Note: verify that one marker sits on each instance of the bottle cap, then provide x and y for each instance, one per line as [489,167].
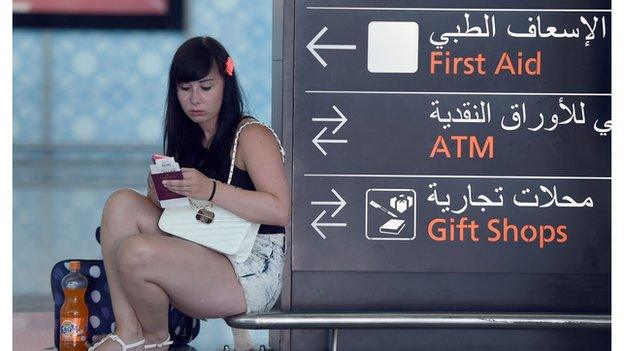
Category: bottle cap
[74,265]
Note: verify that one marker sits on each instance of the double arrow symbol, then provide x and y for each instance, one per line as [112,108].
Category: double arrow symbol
[313,46]
[317,141]
[316,222]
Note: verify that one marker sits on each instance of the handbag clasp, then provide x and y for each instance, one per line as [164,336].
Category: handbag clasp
[205,216]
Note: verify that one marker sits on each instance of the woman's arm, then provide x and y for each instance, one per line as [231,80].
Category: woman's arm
[270,203]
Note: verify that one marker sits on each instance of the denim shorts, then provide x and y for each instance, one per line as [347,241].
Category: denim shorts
[260,274]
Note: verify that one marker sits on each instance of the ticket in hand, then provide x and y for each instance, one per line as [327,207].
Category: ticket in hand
[162,168]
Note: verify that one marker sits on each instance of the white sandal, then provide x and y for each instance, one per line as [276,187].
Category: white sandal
[164,343]
[124,346]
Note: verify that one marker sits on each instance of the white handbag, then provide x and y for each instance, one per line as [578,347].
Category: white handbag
[226,233]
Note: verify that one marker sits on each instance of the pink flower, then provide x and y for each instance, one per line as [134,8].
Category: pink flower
[229,66]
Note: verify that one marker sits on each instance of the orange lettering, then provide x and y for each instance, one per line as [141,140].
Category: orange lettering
[440,147]
[488,146]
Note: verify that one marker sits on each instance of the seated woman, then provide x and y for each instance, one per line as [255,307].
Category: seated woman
[148,269]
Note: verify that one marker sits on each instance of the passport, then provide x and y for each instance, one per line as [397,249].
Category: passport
[163,168]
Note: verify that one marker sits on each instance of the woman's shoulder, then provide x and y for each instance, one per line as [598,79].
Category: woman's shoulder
[246,119]
[255,138]
[254,130]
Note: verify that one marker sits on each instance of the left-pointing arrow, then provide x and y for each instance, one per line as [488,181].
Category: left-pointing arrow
[316,224]
[313,46]
[318,141]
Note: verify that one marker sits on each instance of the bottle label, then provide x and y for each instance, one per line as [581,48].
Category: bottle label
[73,329]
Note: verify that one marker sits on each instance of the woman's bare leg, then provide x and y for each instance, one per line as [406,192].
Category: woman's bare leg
[155,270]
[242,339]
[140,301]
[126,213]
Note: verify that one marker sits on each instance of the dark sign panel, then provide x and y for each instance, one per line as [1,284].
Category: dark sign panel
[452,139]
[452,156]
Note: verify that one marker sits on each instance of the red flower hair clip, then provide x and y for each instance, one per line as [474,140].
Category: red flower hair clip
[229,66]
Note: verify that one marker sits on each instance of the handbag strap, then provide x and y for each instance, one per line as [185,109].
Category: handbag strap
[279,143]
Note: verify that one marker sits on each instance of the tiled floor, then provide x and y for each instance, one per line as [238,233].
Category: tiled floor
[32,331]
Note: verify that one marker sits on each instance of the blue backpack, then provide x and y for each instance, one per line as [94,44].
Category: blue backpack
[182,328]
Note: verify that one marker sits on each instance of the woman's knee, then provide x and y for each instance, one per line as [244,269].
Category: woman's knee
[117,215]
[126,207]
[120,202]
[136,253]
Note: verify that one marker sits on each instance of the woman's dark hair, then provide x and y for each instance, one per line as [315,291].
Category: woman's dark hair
[193,60]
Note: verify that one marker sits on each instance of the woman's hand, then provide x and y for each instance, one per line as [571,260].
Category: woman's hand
[151,192]
[195,184]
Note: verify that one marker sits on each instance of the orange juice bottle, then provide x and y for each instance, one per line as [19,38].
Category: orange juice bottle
[74,315]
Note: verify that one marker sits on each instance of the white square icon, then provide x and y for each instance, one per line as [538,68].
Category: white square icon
[392,47]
